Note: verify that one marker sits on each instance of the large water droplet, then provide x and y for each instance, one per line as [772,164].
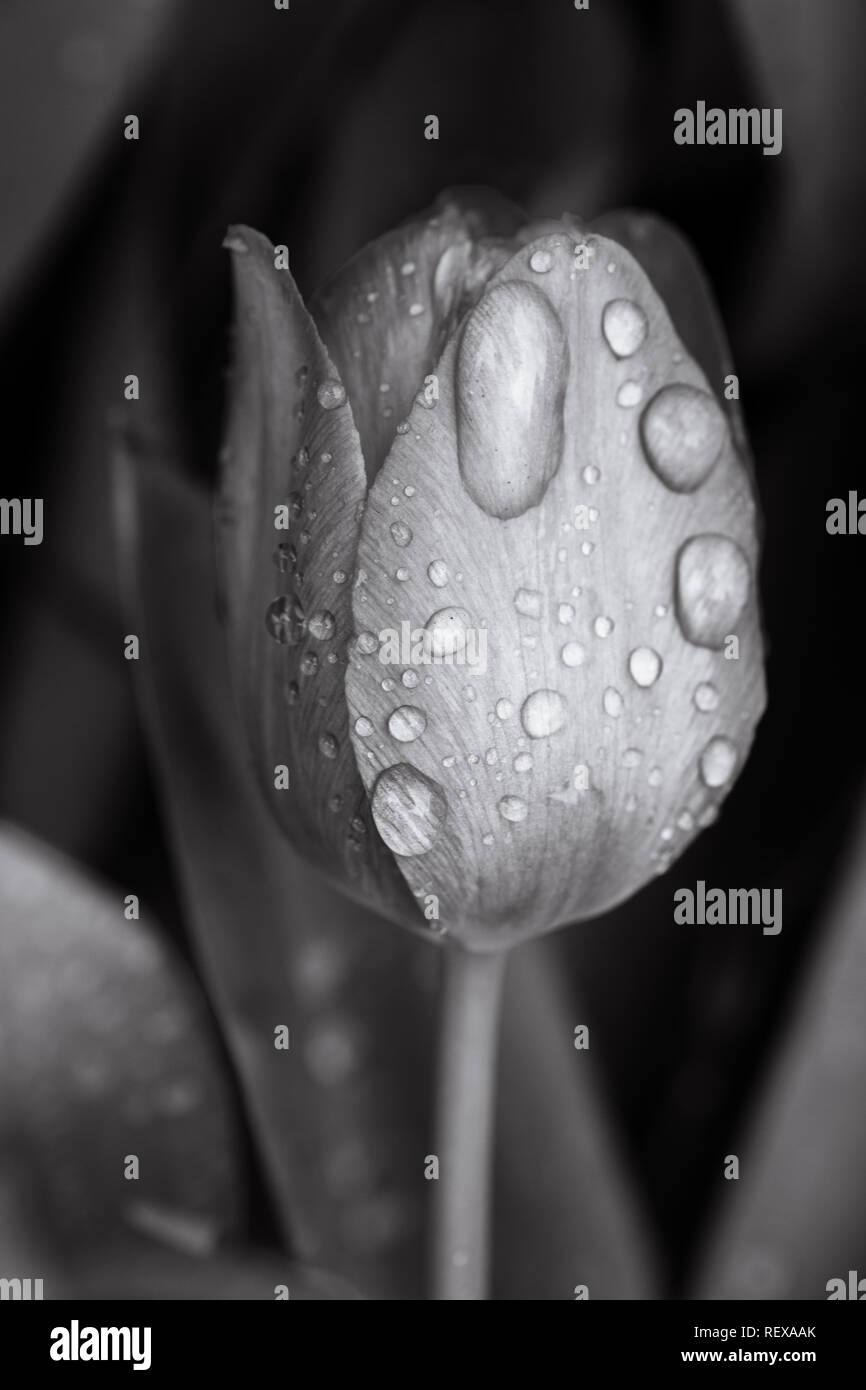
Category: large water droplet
[437,573]
[683,430]
[513,808]
[624,325]
[645,666]
[331,394]
[706,697]
[573,654]
[718,761]
[448,629]
[511,375]
[543,713]
[528,603]
[284,620]
[322,625]
[407,723]
[613,702]
[409,809]
[711,588]
[401,533]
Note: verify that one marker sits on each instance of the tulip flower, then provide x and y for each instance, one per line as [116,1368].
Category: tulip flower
[489,560]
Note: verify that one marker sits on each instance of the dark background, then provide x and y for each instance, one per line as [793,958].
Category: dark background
[309,125]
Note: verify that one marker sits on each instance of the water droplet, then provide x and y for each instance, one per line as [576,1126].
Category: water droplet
[409,809]
[407,723]
[402,574]
[523,762]
[410,679]
[331,394]
[718,761]
[367,643]
[660,610]
[284,556]
[504,709]
[543,713]
[708,816]
[401,534]
[683,431]
[631,757]
[655,777]
[528,603]
[629,394]
[469,694]
[292,693]
[587,548]
[591,474]
[335,802]
[488,839]
[387,685]
[437,573]
[573,654]
[322,625]
[363,726]
[403,427]
[512,371]
[706,697]
[296,504]
[712,588]
[284,620]
[645,666]
[540,261]
[624,325]
[513,808]
[328,746]
[409,491]
[603,627]
[448,628]
[613,702]
[309,664]
[686,821]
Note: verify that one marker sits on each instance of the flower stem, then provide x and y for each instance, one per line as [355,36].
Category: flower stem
[464,1121]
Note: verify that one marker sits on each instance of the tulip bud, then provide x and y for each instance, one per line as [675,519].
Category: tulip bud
[556,668]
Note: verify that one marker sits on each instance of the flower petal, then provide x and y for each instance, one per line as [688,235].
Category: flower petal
[599,738]
[389,312]
[292,456]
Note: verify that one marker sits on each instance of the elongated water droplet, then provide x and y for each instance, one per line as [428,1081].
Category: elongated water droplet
[513,808]
[683,431]
[322,625]
[591,474]
[409,809]
[543,713]
[644,666]
[718,761]
[407,723]
[565,613]
[712,587]
[511,374]
[603,627]
[613,702]
[331,394]
[437,573]
[284,620]
[624,325]
[706,697]
[573,654]
[401,534]
[528,603]
[448,630]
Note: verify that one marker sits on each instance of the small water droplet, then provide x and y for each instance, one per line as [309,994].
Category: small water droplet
[712,588]
[331,394]
[335,802]
[513,808]
[284,556]
[528,603]
[686,821]
[292,693]
[309,664]
[603,627]
[706,697]
[407,723]
[629,394]
[540,261]
[339,576]
[631,757]
[367,643]
[522,762]
[284,620]
[448,628]
[655,777]
[409,809]
[469,693]
[708,816]
[363,726]
[296,504]
[328,746]
[624,325]
[587,548]
[403,427]
[322,625]
[543,713]
[660,610]
[683,431]
[437,573]
[402,574]
[718,761]
[613,702]
[401,534]
[644,666]
[504,709]
[387,685]
[409,491]
[591,474]
[565,613]
[573,654]
[415,310]
[410,679]
[487,839]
